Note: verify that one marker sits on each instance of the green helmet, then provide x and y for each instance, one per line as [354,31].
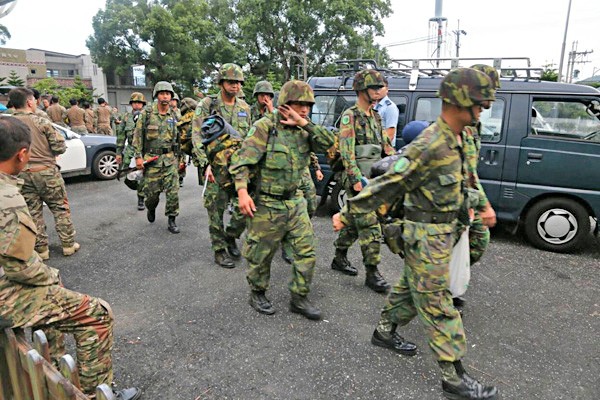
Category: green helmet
[296,91]
[263,87]
[489,71]
[188,104]
[466,87]
[367,78]
[137,96]
[163,86]
[230,71]
[175,97]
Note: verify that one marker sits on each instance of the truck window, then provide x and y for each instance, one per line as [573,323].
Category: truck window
[565,119]
[328,109]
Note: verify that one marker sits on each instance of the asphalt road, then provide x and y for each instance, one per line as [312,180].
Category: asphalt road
[184,329]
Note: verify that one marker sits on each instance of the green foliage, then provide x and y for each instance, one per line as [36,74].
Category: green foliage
[15,80]
[78,91]
[550,75]
[4,34]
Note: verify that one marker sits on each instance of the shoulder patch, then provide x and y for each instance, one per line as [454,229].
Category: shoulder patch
[401,165]
[345,119]
[251,131]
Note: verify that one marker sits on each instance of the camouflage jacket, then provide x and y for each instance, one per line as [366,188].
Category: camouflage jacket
[256,113]
[46,142]
[356,128]
[431,176]
[282,154]
[125,130]
[156,134]
[472,147]
[57,113]
[20,264]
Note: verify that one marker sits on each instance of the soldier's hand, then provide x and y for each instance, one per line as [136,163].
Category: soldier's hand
[209,175]
[488,215]
[269,104]
[291,117]
[119,159]
[357,186]
[319,175]
[245,203]
[337,222]
[139,163]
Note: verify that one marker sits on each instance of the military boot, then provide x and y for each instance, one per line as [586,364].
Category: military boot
[140,205]
[391,340]
[301,305]
[374,280]
[223,259]
[69,251]
[44,252]
[342,264]
[151,214]
[128,394]
[232,248]
[462,386]
[260,303]
[172,225]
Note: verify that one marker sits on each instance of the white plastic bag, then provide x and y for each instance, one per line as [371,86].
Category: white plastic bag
[460,266]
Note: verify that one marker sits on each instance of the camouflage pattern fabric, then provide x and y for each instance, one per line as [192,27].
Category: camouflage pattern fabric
[33,297]
[281,215]
[230,71]
[367,78]
[466,87]
[491,72]
[256,112]
[431,176]
[156,134]
[125,143]
[57,114]
[184,125]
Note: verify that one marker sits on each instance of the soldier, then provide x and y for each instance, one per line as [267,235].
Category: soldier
[89,117]
[280,149]
[155,134]
[184,125]
[174,104]
[42,181]
[431,175]
[33,295]
[263,94]
[360,128]
[56,112]
[125,151]
[76,118]
[237,113]
[102,118]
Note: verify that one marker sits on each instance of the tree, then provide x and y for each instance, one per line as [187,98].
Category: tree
[15,80]
[4,34]
[549,75]
[77,91]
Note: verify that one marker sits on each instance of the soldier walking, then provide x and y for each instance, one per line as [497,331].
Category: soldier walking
[263,95]
[184,125]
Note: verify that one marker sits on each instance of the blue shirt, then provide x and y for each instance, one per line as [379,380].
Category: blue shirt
[389,114]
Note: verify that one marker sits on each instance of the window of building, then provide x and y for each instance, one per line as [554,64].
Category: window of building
[33,71]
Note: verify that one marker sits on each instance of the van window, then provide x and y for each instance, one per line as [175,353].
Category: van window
[565,119]
[328,109]
[428,109]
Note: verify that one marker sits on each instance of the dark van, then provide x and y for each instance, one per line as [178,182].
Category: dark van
[540,155]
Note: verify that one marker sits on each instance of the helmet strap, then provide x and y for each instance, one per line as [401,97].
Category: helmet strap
[473,119]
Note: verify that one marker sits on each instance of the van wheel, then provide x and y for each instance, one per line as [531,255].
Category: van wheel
[338,198]
[557,224]
[105,165]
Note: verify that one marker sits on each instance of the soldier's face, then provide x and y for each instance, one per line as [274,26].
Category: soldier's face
[262,98]
[164,97]
[232,88]
[301,107]
[137,105]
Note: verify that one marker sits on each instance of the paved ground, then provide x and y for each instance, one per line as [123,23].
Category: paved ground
[185,330]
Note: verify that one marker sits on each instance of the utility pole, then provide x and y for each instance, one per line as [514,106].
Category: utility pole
[575,57]
[564,43]
[458,32]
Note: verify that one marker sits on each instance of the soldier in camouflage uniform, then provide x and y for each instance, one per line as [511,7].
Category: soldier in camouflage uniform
[184,125]
[432,178]
[280,149]
[31,292]
[76,117]
[42,180]
[102,118]
[56,112]
[263,95]
[174,104]
[237,113]
[361,125]
[155,134]
[125,152]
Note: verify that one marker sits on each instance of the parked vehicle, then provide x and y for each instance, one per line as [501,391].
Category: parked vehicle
[540,155]
[88,155]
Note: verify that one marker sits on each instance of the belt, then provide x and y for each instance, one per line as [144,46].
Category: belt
[280,197]
[37,169]
[163,150]
[430,217]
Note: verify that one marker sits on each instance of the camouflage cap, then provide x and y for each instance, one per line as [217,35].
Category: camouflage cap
[137,96]
[163,86]
[263,87]
[466,87]
[296,91]
[367,78]
[489,71]
[188,104]
[230,71]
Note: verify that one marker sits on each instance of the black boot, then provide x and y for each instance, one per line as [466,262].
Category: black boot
[180,181]
[285,257]
[232,248]
[223,259]
[393,341]
[141,203]
[172,225]
[300,305]
[375,281]
[468,388]
[128,394]
[151,214]
[260,303]
[342,264]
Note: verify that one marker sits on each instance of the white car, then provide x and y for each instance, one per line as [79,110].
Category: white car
[88,154]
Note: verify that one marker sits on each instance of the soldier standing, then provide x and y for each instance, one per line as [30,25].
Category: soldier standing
[360,128]
[237,113]
[174,104]
[125,151]
[155,134]
[76,117]
[280,149]
[33,295]
[42,181]
[263,95]
[102,118]
[184,125]
[432,177]
[56,112]
[88,117]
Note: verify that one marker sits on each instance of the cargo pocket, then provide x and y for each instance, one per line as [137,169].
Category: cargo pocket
[23,241]
[152,132]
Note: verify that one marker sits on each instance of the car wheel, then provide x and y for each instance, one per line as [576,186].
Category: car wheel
[338,198]
[105,165]
[557,224]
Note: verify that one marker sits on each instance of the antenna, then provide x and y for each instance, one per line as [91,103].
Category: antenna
[440,21]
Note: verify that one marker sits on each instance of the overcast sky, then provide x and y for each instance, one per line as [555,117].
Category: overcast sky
[501,28]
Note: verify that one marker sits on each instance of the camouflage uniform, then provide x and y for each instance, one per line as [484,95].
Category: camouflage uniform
[102,117]
[32,296]
[57,114]
[43,182]
[184,125]
[76,117]
[156,134]
[282,155]
[125,143]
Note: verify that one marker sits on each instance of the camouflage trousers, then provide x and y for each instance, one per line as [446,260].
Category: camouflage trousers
[128,155]
[104,130]
[57,311]
[310,194]
[367,230]
[215,202]
[479,238]
[48,186]
[158,179]
[275,222]
[423,290]
[81,129]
